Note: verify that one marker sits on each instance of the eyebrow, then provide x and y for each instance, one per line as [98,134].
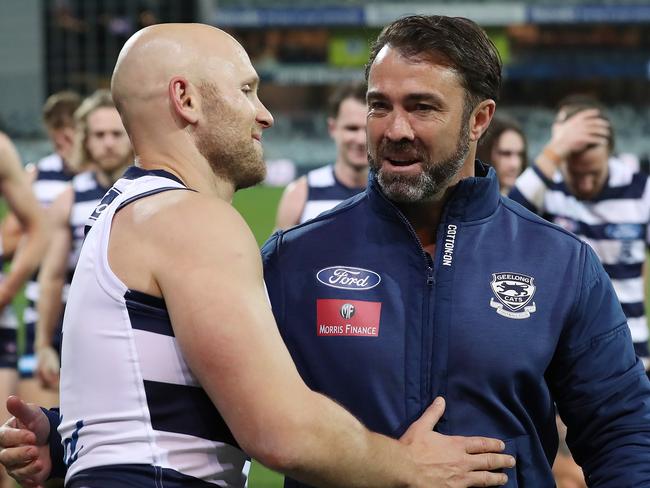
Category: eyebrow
[411,97]
[252,80]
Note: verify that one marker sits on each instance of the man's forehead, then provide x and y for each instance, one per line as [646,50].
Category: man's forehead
[424,70]
[593,159]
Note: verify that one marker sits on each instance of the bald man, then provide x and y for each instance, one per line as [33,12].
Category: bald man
[172,366]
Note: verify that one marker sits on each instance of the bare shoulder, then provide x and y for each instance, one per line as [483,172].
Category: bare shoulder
[296,191]
[61,207]
[176,221]
[175,233]
[9,158]
[292,203]
[5,143]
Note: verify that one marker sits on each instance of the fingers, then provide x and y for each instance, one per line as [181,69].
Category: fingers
[10,437]
[432,414]
[20,459]
[484,478]
[478,445]
[490,461]
[49,378]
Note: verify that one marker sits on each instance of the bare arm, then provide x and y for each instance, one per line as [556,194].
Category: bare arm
[292,204]
[11,229]
[15,187]
[51,280]
[223,322]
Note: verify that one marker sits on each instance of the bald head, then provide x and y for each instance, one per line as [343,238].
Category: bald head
[156,54]
[187,94]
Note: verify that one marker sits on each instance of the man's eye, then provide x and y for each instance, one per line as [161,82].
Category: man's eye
[423,107]
[377,105]
[246,89]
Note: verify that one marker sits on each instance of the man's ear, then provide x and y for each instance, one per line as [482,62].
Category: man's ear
[184,99]
[331,126]
[480,119]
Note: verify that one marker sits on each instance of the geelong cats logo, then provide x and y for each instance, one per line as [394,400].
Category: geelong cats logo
[514,293]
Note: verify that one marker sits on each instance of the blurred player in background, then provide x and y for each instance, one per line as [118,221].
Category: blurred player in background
[504,148]
[14,187]
[326,187]
[577,183]
[102,153]
[50,176]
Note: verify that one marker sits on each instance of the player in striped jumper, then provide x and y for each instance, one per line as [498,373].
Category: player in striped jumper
[14,187]
[50,176]
[577,183]
[326,187]
[104,152]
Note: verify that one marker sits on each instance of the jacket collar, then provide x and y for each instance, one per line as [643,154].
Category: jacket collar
[473,198]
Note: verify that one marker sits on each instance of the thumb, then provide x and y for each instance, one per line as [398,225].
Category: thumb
[29,416]
[24,413]
[433,413]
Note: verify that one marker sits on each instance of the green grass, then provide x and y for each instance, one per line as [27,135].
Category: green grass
[258,206]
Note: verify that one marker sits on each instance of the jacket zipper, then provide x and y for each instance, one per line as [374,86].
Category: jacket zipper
[429,262]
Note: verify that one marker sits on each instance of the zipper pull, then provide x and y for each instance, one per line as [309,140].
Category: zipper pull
[430,278]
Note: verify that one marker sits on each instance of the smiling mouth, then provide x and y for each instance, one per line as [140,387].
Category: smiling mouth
[401,161]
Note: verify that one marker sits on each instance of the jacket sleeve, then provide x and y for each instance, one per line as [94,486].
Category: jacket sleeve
[601,390]
[530,189]
[272,275]
[59,468]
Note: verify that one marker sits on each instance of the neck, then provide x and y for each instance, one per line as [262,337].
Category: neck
[198,177]
[351,176]
[425,216]
[107,178]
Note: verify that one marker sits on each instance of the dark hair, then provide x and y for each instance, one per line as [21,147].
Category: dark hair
[460,41]
[59,109]
[576,103]
[356,91]
[500,123]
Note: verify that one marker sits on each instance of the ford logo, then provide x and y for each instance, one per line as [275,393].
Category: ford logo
[348,278]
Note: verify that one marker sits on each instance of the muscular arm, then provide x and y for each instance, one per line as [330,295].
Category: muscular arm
[223,323]
[51,280]
[15,187]
[292,204]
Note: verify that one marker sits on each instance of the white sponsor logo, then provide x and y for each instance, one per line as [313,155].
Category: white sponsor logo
[348,278]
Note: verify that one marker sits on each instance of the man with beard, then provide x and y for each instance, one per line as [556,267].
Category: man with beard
[431,283]
[324,188]
[172,367]
[101,155]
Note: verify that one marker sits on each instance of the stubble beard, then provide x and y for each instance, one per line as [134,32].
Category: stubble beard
[431,182]
[231,152]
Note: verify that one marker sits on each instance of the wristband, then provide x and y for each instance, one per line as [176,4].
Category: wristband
[551,155]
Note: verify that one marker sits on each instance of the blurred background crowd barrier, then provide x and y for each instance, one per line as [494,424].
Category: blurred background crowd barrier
[303,48]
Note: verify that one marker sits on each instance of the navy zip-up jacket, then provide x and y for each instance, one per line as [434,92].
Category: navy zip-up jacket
[511,315]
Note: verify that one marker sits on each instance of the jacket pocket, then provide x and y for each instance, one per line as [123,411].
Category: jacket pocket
[532,469]
[511,448]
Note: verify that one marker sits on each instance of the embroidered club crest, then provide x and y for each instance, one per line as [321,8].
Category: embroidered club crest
[514,293]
